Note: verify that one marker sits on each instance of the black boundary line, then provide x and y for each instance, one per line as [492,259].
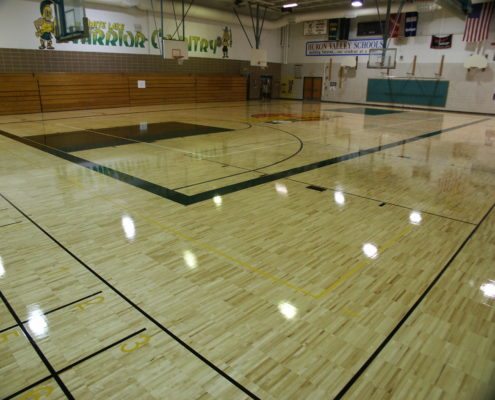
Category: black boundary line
[318,164]
[406,108]
[26,388]
[257,170]
[65,369]
[213,180]
[199,197]
[110,172]
[135,306]
[301,147]
[53,310]
[12,223]
[382,345]
[110,115]
[70,366]
[254,104]
[53,373]
[386,202]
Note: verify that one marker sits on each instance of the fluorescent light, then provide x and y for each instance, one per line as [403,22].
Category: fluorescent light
[290,5]
[356,3]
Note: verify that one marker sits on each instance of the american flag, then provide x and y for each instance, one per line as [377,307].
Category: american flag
[478,22]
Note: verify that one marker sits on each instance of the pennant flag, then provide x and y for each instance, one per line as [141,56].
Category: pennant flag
[478,22]
[395,25]
[411,24]
[338,28]
[441,42]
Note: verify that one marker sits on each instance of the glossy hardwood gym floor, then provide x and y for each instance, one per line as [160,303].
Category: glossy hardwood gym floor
[273,250]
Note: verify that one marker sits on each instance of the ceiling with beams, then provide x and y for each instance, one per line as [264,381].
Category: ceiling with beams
[274,6]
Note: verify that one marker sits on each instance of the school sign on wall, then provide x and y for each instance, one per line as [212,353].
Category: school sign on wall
[352,47]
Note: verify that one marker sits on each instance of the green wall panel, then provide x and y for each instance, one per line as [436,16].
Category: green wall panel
[408,91]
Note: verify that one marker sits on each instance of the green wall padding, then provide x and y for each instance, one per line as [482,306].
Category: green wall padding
[408,91]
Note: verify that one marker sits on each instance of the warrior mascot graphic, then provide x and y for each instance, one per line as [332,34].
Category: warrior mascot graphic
[45,26]
[226,42]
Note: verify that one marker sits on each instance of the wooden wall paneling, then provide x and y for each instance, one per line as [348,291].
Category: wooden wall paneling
[220,88]
[161,89]
[19,94]
[76,91]
[46,92]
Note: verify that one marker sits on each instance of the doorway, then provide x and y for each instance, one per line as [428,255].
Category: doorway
[312,88]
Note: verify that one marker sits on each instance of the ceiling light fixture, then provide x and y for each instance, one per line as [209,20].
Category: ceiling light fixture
[357,3]
[290,5]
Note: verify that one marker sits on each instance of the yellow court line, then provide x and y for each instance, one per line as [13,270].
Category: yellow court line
[348,312]
[360,265]
[273,278]
[206,247]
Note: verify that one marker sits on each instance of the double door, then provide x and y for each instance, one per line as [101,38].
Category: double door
[312,88]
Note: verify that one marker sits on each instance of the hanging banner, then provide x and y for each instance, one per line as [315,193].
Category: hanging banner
[441,42]
[338,28]
[396,25]
[411,24]
[353,47]
[319,27]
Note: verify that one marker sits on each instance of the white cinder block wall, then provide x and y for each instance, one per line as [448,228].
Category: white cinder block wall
[468,91]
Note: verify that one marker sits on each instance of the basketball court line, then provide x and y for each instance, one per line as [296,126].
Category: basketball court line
[246,265]
[215,179]
[316,165]
[128,139]
[53,373]
[94,354]
[76,363]
[191,153]
[478,224]
[12,223]
[186,200]
[357,268]
[54,309]
[352,271]
[124,113]
[385,202]
[406,316]
[203,157]
[132,304]
[26,388]
[257,170]
[427,110]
